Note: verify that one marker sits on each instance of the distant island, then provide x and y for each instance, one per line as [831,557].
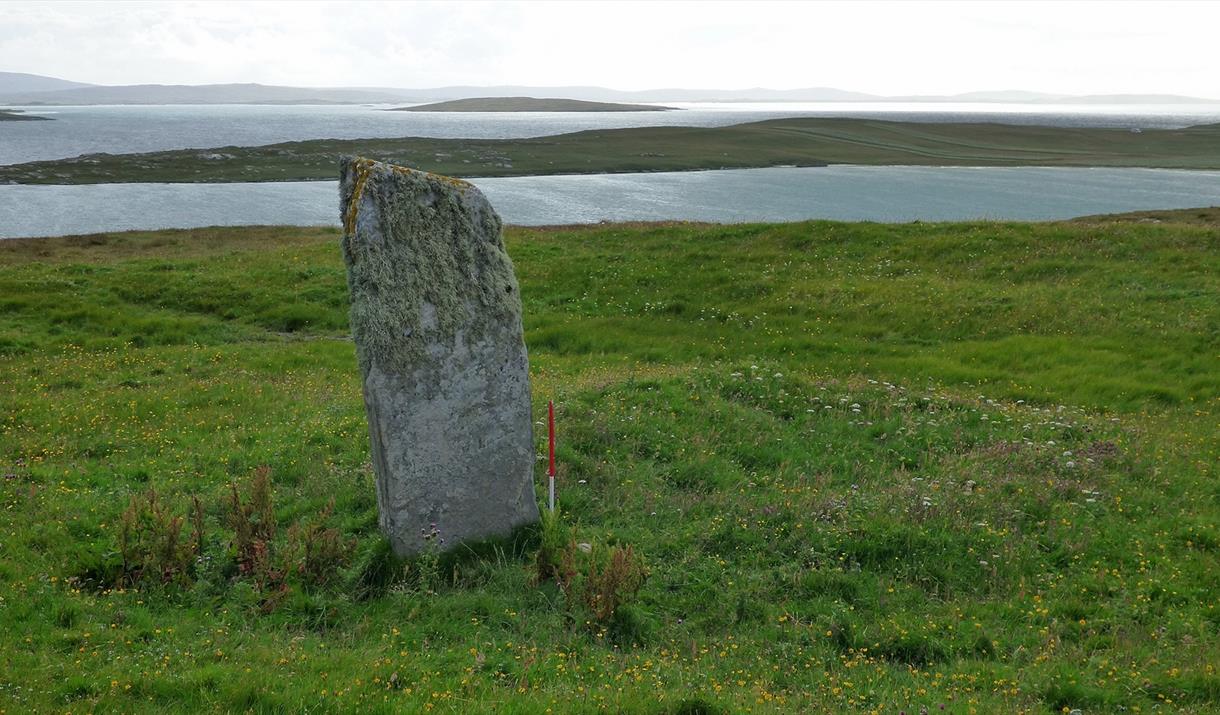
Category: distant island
[15,115]
[529,104]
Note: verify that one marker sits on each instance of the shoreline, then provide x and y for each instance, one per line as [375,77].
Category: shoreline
[1200,215]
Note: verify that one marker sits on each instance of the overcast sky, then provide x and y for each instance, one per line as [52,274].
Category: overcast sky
[883,48]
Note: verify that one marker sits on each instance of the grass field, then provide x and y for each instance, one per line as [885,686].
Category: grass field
[778,142]
[962,467]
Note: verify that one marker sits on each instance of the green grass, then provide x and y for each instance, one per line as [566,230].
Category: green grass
[776,142]
[870,467]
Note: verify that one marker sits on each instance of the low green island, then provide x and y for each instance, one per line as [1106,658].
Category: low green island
[929,467]
[529,104]
[17,115]
[777,142]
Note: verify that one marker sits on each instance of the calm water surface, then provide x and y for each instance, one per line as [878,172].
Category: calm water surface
[850,193]
[124,129]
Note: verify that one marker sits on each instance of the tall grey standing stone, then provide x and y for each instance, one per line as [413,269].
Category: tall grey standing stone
[436,316]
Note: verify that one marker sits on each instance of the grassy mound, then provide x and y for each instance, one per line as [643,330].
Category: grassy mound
[867,467]
[796,141]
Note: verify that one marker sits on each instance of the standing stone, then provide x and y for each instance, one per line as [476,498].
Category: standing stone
[436,316]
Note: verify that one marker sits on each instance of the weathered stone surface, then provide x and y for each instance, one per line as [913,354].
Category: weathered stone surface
[436,316]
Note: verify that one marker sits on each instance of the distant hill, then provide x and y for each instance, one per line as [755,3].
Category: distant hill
[199,94]
[602,94]
[20,82]
[27,89]
[271,94]
[529,104]
[1133,99]
[1015,96]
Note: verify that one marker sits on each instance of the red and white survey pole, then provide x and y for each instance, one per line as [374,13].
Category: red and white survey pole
[550,470]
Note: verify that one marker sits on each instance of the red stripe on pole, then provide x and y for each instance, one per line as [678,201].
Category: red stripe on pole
[550,406]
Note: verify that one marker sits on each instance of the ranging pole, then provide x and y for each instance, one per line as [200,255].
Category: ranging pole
[550,470]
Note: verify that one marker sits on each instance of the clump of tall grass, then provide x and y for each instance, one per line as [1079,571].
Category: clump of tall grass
[599,583]
[156,549]
[151,542]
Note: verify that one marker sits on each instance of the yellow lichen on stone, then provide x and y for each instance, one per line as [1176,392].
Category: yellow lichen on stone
[452,181]
[365,166]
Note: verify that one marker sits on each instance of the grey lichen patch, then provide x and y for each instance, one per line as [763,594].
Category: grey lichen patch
[407,246]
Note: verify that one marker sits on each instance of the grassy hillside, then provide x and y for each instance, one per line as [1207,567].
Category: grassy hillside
[869,468]
[799,142]
[529,104]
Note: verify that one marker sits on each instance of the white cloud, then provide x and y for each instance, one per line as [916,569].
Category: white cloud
[884,47]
